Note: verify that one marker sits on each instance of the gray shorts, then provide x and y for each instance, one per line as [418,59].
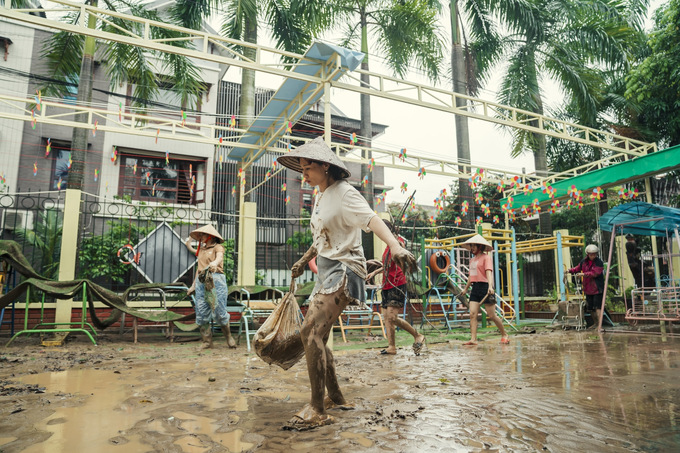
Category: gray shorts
[333,274]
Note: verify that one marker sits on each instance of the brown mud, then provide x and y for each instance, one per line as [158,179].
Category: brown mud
[554,392]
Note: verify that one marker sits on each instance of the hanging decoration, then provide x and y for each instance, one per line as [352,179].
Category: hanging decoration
[501,185]
[464,207]
[148,177]
[353,139]
[233,191]
[288,199]
[573,191]
[524,210]
[289,127]
[38,100]
[220,139]
[167,158]
[371,165]
[70,161]
[496,220]
[35,168]
[504,207]
[120,111]
[402,154]
[528,189]
[510,201]
[512,214]
[34,120]
[290,147]
[554,206]
[107,186]
[94,131]
[458,221]
[404,187]
[422,172]
[283,187]
[316,192]
[486,210]
[221,161]
[597,194]
[515,182]
[433,220]
[479,198]
[184,118]
[48,148]
[364,181]
[158,132]
[114,155]
[96,174]
[268,175]
[232,122]
[59,184]
[478,220]
[153,189]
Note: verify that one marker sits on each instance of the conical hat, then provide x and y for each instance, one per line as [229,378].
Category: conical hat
[208,229]
[477,239]
[316,150]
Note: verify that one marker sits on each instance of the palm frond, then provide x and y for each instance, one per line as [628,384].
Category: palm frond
[62,53]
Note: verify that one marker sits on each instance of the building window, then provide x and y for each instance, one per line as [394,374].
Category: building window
[149,178]
[61,152]
[307,202]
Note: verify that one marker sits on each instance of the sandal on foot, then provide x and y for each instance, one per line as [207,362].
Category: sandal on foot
[384,352]
[470,343]
[505,340]
[307,419]
[418,346]
[329,404]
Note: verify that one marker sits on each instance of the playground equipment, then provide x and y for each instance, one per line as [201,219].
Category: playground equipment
[447,285]
[661,303]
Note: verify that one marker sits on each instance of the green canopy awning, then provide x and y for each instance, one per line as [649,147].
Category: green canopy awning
[611,176]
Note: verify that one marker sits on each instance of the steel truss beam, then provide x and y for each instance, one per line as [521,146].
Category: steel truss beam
[387,87]
[167,128]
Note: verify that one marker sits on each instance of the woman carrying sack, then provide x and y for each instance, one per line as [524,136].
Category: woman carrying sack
[210,284]
[481,279]
[338,216]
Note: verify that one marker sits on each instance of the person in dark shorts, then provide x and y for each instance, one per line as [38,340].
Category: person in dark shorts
[394,296]
[591,268]
[481,280]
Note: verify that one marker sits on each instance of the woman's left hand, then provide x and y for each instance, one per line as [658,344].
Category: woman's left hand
[404,259]
[491,291]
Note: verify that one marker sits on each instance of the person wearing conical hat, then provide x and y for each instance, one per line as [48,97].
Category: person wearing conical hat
[210,284]
[481,280]
[339,215]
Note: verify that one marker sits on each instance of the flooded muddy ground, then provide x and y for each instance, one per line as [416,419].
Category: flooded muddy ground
[562,391]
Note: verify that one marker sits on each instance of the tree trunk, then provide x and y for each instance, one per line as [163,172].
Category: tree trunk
[459,74]
[247,100]
[76,174]
[366,130]
[366,133]
[540,153]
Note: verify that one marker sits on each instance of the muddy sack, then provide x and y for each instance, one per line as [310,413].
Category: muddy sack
[278,340]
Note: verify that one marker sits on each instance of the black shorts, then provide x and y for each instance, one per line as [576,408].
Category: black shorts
[479,292]
[593,301]
[394,297]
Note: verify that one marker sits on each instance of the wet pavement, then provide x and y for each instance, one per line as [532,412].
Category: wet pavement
[563,391]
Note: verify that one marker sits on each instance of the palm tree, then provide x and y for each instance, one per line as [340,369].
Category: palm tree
[567,41]
[70,60]
[464,72]
[405,31]
[293,25]
[45,238]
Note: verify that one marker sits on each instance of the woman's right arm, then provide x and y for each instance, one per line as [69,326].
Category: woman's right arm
[299,267]
[189,247]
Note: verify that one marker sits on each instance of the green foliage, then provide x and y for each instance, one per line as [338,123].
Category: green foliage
[302,240]
[98,254]
[46,239]
[229,264]
[654,83]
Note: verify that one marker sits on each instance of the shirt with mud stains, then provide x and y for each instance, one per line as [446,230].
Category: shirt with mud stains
[207,255]
[339,213]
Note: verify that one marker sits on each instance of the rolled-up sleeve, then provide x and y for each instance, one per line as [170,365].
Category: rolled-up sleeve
[356,211]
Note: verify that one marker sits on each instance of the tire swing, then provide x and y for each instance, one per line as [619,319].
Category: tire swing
[437,258]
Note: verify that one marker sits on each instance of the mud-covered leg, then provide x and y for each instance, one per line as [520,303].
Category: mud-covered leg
[324,309]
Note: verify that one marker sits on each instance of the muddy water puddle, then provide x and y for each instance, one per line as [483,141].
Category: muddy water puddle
[556,392]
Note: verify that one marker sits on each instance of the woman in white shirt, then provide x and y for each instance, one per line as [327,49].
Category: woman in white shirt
[338,216]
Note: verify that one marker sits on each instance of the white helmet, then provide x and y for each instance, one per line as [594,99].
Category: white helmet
[592,248]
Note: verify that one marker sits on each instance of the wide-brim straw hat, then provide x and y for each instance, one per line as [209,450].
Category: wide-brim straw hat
[479,240]
[208,229]
[316,150]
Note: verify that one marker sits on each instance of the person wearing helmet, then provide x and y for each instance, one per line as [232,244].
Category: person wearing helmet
[591,268]
[481,280]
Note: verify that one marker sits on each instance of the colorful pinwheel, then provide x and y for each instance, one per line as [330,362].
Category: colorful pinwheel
[402,154]
[404,187]
[422,172]
[458,221]
[479,198]
[496,220]
[48,148]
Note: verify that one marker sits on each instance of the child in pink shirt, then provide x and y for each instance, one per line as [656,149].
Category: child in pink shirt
[481,279]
